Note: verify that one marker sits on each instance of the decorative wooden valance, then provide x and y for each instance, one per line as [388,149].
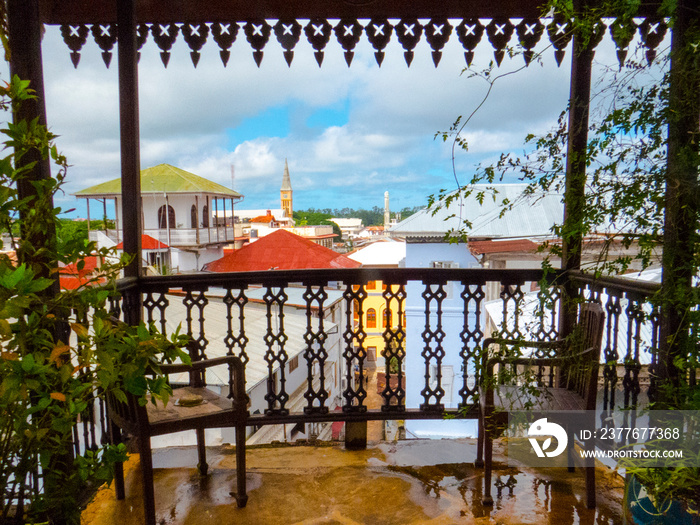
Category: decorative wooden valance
[259,33]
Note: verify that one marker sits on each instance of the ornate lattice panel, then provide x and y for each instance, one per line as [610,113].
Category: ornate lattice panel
[235,301]
[471,336]
[433,352]
[355,353]
[196,300]
[635,320]
[276,356]
[546,317]
[159,303]
[315,353]
[512,298]
[394,351]
[501,34]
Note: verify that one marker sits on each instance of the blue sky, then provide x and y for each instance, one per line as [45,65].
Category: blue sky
[349,134]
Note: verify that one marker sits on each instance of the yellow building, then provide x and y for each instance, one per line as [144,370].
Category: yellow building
[376,317]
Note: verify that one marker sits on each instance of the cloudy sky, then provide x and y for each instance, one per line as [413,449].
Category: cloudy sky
[349,134]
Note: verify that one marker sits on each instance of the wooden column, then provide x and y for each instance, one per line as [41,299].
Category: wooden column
[130,154]
[682,199]
[24,29]
[574,196]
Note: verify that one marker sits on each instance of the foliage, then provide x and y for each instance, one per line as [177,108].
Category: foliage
[373,217]
[70,232]
[53,365]
[634,112]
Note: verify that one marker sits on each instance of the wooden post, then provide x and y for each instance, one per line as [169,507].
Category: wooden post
[682,201]
[26,62]
[574,196]
[130,153]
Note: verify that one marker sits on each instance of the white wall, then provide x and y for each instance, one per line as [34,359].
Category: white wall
[421,255]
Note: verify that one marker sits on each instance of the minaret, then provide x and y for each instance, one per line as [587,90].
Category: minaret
[387,214]
[286,192]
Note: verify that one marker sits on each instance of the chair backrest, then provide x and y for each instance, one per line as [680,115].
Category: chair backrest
[129,416]
[582,374]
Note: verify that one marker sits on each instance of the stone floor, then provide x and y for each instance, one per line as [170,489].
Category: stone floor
[408,482]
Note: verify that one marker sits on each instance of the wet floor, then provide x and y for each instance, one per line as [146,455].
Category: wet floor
[409,482]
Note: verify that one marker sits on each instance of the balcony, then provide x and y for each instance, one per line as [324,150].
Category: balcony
[179,237]
[273,319]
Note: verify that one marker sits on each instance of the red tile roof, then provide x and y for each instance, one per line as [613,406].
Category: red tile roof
[72,269]
[147,243]
[492,246]
[70,282]
[280,250]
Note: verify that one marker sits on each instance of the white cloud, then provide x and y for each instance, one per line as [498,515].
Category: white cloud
[386,144]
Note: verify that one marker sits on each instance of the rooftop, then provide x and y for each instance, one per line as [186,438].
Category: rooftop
[280,250]
[531,216]
[162,178]
[385,252]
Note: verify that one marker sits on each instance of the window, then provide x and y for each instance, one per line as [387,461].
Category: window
[386,318]
[193,216]
[371,318]
[166,220]
[372,285]
[293,363]
[205,216]
[444,264]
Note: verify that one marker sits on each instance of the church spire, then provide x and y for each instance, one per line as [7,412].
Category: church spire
[286,192]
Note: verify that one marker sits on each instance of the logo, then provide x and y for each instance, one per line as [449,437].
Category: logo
[542,427]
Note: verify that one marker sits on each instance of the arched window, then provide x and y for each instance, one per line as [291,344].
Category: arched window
[166,221]
[386,318]
[371,318]
[205,216]
[193,216]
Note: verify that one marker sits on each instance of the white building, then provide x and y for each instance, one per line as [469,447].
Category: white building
[427,247]
[348,227]
[179,208]
[257,368]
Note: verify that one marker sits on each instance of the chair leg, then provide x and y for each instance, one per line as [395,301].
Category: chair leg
[115,438]
[488,466]
[241,493]
[479,463]
[149,501]
[201,453]
[589,467]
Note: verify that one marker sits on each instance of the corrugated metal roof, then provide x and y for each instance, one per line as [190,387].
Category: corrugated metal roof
[256,326]
[162,178]
[531,216]
[380,253]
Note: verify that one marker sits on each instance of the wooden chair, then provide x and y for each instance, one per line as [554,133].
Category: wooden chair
[561,384]
[216,411]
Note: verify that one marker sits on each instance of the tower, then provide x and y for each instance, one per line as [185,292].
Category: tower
[286,192]
[387,214]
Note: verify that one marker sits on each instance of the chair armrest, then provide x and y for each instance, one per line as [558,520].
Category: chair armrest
[204,363]
[522,342]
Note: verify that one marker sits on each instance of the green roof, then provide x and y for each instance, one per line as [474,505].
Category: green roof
[163,178]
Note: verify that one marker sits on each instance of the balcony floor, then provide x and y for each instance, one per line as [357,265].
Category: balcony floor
[409,482]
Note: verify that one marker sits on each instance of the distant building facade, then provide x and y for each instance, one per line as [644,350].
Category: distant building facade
[179,211]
